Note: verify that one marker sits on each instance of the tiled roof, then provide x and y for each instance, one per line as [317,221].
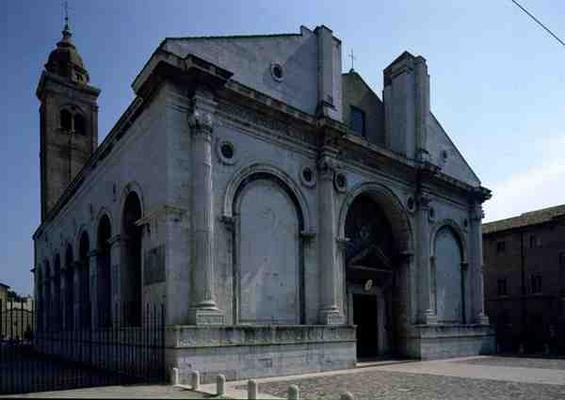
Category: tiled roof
[525,219]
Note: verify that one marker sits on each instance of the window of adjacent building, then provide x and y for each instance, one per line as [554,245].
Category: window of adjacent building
[562,279]
[502,287]
[534,241]
[536,283]
[357,120]
[500,247]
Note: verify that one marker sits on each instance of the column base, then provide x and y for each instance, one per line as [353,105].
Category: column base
[428,317]
[482,319]
[331,317]
[205,316]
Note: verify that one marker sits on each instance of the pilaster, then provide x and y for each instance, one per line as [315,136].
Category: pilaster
[203,310]
[117,245]
[330,314]
[477,267]
[426,308]
[93,287]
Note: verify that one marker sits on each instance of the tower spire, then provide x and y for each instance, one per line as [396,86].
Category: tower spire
[66,28]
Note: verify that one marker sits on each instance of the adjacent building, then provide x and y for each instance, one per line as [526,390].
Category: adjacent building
[288,217]
[16,315]
[525,280]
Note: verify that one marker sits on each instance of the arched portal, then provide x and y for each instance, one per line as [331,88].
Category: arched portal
[69,289]
[375,278]
[448,272]
[268,276]
[104,283]
[85,306]
[131,284]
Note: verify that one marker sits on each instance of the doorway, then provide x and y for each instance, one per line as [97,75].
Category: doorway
[365,318]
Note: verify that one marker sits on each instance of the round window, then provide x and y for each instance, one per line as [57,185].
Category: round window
[307,177]
[340,182]
[226,152]
[410,204]
[277,71]
[432,214]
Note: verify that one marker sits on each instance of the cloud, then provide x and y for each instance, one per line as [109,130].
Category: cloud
[541,185]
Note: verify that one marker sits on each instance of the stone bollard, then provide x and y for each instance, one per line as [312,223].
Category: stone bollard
[195,380]
[175,376]
[346,396]
[252,389]
[220,385]
[293,393]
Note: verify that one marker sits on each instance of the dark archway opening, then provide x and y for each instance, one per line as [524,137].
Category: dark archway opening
[371,261]
[132,305]
[85,306]
[104,277]
[57,313]
[69,289]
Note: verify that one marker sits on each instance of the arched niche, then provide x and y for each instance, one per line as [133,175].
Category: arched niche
[132,234]
[268,251]
[448,275]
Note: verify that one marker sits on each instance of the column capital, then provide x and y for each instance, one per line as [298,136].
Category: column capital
[201,114]
[477,212]
[117,239]
[423,201]
[92,253]
[327,166]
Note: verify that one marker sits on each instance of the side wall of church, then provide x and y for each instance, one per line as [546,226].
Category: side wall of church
[138,162]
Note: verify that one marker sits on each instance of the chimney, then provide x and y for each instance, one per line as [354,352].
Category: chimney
[406,98]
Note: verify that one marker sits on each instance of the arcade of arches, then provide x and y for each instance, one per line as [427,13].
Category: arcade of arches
[67,291]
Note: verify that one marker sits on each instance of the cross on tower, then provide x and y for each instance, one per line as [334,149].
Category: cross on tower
[65,5]
[353,58]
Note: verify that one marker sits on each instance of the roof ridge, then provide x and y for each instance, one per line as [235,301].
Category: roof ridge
[535,217]
[242,36]
[543,209]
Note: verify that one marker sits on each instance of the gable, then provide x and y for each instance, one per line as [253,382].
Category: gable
[250,59]
[445,154]
[358,94]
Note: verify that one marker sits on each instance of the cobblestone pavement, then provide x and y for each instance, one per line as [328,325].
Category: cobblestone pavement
[380,383]
[120,392]
[524,362]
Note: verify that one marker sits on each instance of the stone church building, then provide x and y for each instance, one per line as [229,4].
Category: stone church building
[288,217]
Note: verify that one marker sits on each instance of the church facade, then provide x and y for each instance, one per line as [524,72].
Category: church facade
[288,218]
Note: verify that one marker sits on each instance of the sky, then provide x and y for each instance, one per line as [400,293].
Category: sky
[497,82]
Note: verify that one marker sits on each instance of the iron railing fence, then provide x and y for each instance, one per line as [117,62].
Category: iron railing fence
[52,358]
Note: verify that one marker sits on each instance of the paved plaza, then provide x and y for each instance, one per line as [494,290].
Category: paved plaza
[501,378]
[464,378]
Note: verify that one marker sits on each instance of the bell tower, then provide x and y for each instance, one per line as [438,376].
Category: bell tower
[68,120]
